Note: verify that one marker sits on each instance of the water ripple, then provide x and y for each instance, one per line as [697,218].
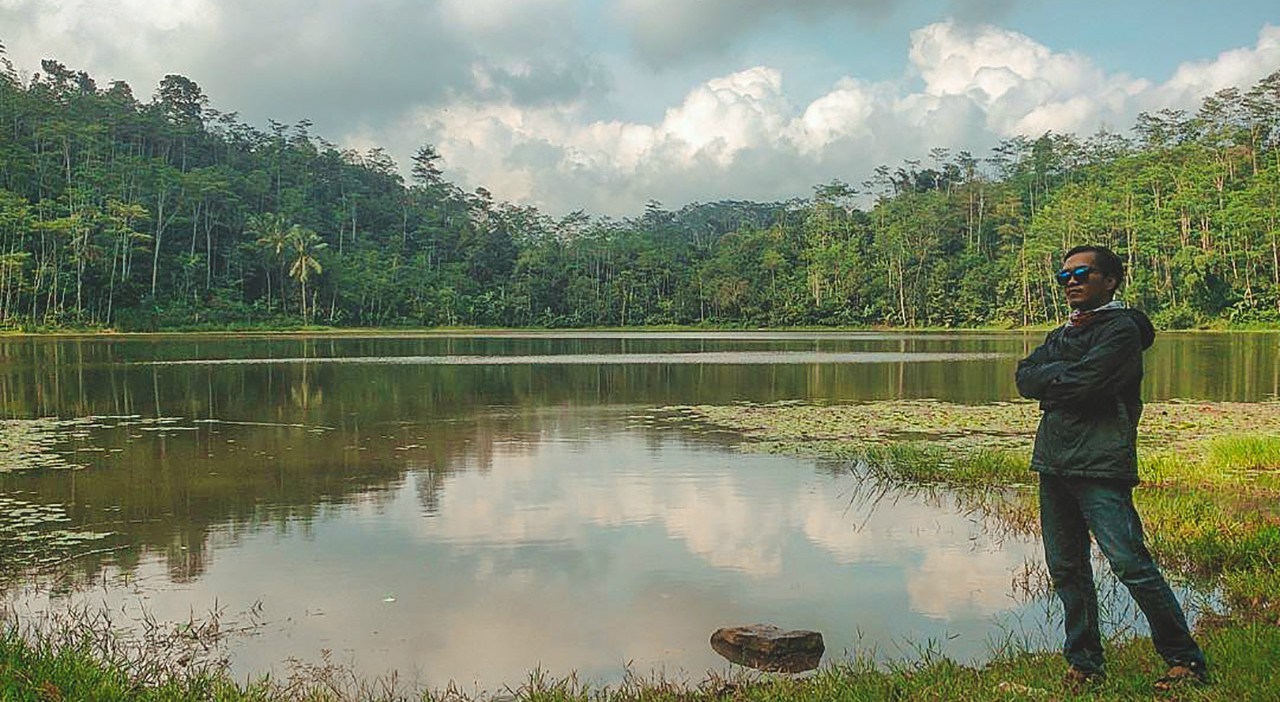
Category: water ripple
[710,357]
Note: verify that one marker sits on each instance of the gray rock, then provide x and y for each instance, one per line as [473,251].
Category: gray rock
[766,647]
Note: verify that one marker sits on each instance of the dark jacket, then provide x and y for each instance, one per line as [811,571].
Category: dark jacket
[1088,380]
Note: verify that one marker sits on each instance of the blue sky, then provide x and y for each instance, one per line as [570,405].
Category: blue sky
[605,104]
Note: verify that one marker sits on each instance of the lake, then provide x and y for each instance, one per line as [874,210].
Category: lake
[471,507]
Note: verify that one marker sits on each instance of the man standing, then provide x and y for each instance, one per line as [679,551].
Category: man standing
[1087,376]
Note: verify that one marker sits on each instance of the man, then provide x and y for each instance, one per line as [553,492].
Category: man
[1087,375]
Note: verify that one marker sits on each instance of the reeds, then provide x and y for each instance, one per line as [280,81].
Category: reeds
[82,655]
[922,462]
[1258,454]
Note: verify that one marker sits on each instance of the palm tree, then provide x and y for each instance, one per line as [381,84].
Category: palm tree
[306,245]
[272,235]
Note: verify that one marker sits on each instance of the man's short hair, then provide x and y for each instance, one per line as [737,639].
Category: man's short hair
[1105,260]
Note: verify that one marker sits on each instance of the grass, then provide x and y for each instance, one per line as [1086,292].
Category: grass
[920,463]
[1243,656]
[1210,501]
[1253,456]
[35,671]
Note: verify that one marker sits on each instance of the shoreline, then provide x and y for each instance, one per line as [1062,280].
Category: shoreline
[392,332]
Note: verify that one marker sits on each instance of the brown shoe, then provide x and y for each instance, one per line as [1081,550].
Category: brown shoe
[1182,676]
[1078,680]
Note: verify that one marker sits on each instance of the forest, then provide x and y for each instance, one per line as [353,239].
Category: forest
[130,215]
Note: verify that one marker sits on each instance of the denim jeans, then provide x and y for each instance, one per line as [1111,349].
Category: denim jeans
[1071,508]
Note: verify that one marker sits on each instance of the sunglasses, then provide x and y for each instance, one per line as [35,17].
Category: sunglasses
[1080,273]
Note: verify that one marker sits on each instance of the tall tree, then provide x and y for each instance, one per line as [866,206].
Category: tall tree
[305,246]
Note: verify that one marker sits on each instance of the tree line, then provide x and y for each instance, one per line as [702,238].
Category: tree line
[164,214]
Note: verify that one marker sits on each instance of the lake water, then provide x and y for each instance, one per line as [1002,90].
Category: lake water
[472,507]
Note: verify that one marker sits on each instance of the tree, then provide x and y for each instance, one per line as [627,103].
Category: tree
[1191,203]
[426,170]
[182,101]
[271,234]
[305,245]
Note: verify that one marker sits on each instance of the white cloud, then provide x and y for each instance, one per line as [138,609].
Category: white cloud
[720,525]
[843,112]
[1022,86]
[729,114]
[520,96]
[346,66]
[712,518]
[1238,67]
[952,583]
[740,134]
[127,17]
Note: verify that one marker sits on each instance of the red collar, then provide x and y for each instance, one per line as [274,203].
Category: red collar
[1080,318]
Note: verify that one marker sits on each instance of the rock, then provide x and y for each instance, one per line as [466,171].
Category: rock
[766,647]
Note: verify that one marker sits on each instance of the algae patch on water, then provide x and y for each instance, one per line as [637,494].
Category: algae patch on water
[34,534]
[852,429]
[29,444]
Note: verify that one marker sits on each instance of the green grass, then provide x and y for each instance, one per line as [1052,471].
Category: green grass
[44,671]
[1242,657]
[1245,454]
[921,463]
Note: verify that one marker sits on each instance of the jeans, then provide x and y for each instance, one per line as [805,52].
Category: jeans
[1071,508]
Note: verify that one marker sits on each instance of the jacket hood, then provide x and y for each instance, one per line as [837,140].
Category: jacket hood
[1146,331]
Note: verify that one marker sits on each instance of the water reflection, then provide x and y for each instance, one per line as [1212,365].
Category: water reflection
[582,545]
[103,375]
[734,358]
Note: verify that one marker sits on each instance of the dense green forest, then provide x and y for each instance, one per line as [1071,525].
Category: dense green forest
[138,215]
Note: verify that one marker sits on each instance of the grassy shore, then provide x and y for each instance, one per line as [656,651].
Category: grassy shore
[1243,656]
[1210,499]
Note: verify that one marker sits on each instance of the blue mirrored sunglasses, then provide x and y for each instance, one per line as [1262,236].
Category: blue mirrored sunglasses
[1080,273]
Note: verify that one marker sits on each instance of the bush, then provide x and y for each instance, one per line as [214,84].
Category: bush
[1176,317]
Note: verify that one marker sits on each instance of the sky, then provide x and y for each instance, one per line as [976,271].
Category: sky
[604,105]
